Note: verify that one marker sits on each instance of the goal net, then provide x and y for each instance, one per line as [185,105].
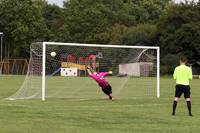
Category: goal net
[58,70]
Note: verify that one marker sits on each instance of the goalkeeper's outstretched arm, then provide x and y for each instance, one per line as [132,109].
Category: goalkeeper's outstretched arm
[91,71]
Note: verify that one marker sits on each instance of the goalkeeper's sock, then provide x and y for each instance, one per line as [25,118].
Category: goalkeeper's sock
[174,107]
[110,97]
[189,107]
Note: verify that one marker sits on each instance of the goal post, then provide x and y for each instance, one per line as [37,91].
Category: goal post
[158,72]
[43,69]
[140,63]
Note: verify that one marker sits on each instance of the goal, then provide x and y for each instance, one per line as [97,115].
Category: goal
[136,71]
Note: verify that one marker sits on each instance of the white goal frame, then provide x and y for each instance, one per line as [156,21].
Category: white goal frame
[44,45]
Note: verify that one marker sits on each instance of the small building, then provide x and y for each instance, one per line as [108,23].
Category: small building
[195,68]
[138,69]
[143,66]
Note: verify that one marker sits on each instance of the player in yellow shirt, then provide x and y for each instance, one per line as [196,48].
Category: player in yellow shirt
[182,75]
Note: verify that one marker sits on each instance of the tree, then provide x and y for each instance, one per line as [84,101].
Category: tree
[53,16]
[88,21]
[84,19]
[22,24]
[148,10]
[141,34]
[113,35]
[178,32]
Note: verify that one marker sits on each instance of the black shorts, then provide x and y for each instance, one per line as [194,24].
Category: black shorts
[107,90]
[182,89]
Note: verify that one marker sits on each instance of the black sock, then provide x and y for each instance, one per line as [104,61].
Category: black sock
[110,97]
[189,107]
[174,107]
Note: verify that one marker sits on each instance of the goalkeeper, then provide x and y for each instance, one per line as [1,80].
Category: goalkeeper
[99,78]
[182,75]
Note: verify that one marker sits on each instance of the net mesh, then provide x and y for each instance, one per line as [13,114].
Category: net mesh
[134,72]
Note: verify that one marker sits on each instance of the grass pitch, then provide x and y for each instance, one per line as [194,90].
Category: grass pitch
[128,114]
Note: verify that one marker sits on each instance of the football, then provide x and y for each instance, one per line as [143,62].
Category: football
[53,54]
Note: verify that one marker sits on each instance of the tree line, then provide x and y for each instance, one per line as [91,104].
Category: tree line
[173,27]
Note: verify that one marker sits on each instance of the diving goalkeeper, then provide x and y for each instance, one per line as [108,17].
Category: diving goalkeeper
[99,78]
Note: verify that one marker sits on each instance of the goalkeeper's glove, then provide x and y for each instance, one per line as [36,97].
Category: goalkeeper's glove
[89,67]
[110,72]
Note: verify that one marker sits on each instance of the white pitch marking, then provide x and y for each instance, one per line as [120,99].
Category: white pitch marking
[121,87]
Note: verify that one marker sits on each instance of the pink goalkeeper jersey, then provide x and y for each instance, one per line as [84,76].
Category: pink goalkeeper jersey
[99,78]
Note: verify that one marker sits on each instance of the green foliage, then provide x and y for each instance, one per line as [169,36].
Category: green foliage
[113,35]
[179,32]
[104,21]
[168,63]
[148,10]
[53,16]
[22,23]
[141,34]
[174,27]
[86,19]
[100,21]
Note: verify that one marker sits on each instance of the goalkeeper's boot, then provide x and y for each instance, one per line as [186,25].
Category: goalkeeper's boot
[110,97]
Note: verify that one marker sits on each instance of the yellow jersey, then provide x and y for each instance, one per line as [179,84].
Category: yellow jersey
[182,75]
